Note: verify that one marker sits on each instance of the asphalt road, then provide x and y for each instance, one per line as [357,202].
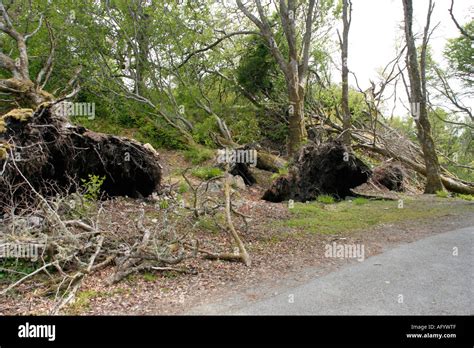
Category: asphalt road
[424,277]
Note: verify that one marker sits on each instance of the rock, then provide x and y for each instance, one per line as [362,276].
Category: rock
[238,182]
[214,186]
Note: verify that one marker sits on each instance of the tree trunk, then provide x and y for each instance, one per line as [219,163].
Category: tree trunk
[418,102]
[25,92]
[345,72]
[433,177]
[297,130]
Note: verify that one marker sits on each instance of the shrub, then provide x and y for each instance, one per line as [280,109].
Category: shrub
[442,194]
[360,200]
[92,187]
[207,173]
[466,197]
[326,199]
[198,155]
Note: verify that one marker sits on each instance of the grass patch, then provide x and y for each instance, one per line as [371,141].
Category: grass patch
[198,155]
[325,199]
[150,277]
[183,187]
[206,173]
[83,300]
[281,172]
[207,224]
[12,269]
[465,197]
[442,194]
[360,201]
[344,216]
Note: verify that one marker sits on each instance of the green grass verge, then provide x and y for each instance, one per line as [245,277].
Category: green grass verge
[346,216]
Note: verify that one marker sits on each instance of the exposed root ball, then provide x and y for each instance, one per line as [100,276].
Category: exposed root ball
[48,151]
[390,176]
[327,169]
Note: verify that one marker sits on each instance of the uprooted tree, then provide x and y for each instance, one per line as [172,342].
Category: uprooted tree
[39,141]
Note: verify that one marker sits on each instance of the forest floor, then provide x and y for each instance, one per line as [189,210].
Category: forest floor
[285,245]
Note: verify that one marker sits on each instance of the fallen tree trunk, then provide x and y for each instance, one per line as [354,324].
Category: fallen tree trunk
[265,160]
[449,183]
[53,154]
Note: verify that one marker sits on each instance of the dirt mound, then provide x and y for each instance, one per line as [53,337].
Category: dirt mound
[49,152]
[326,169]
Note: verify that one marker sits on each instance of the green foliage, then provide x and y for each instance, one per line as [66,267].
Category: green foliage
[460,53]
[442,194]
[245,129]
[159,134]
[206,223]
[197,155]
[83,300]
[360,200]
[164,204]
[206,173]
[203,129]
[281,172]
[183,187]
[92,187]
[150,277]
[14,269]
[325,199]
[466,197]
[454,141]
[256,67]
[272,127]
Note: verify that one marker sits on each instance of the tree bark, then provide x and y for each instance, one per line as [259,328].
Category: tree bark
[346,9]
[418,99]
[297,130]
[295,66]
